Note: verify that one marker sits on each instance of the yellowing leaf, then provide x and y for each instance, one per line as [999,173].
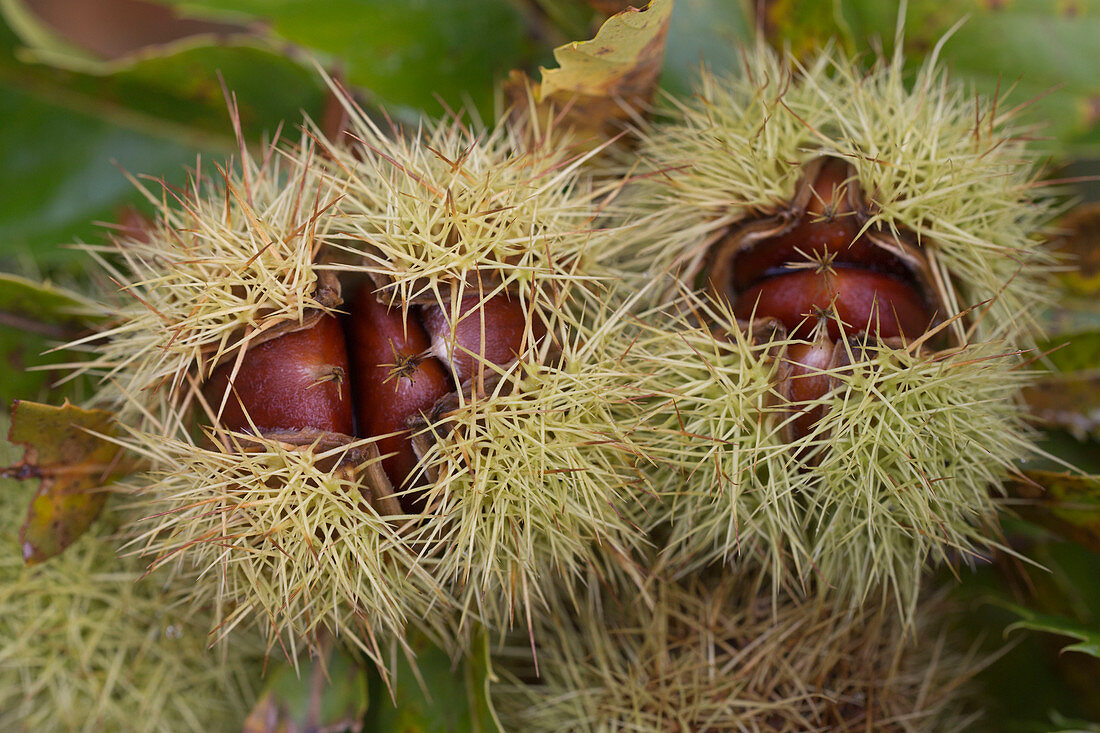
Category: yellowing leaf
[594,78]
[623,60]
[73,465]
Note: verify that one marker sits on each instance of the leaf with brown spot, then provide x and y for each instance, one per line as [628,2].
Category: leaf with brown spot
[73,465]
[1069,402]
[1079,244]
[103,35]
[326,695]
[1065,503]
[595,78]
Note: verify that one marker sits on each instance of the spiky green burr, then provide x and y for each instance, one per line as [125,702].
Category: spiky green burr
[529,471]
[228,260]
[897,474]
[723,654]
[912,436]
[533,473]
[87,642]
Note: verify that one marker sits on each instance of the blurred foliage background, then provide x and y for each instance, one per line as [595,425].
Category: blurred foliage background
[92,88]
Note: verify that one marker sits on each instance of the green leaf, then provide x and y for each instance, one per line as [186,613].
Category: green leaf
[804,27]
[170,93]
[73,466]
[704,31]
[1073,352]
[1062,724]
[327,693]
[479,678]
[30,305]
[403,53]
[1046,49]
[59,176]
[1088,638]
[438,696]
[119,32]
[1065,503]
[34,318]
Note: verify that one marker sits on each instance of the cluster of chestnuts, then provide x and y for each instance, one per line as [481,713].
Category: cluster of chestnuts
[370,373]
[457,376]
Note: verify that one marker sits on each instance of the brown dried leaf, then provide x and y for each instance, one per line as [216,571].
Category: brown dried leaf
[1070,402]
[596,78]
[1079,243]
[73,466]
[1065,503]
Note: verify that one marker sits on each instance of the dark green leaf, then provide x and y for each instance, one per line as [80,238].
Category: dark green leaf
[100,36]
[326,693]
[34,318]
[479,677]
[59,177]
[402,52]
[175,92]
[439,696]
[1088,639]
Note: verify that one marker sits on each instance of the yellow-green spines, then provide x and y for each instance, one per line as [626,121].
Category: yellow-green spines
[282,536]
[530,472]
[223,262]
[897,473]
[721,656]
[933,161]
[537,479]
[912,435]
[454,202]
[88,644]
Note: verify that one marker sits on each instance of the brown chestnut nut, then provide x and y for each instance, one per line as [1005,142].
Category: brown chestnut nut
[832,242]
[395,381]
[291,382]
[488,330]
[862,300]
[800,380]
